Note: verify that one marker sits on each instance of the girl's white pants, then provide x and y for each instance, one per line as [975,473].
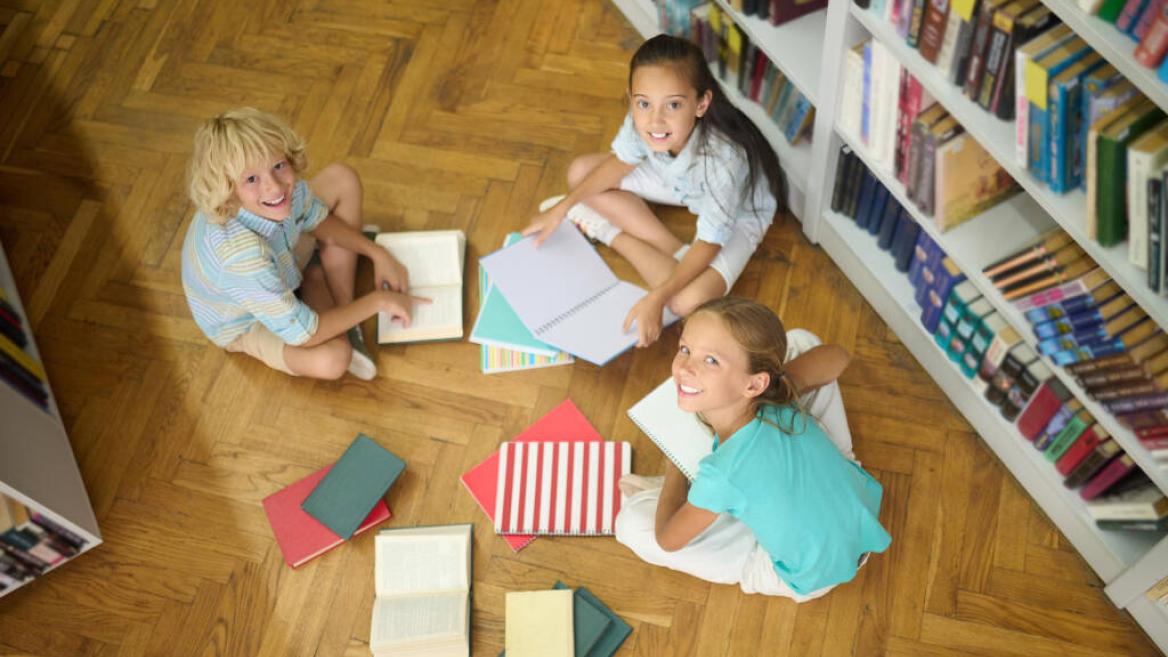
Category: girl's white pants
[727,551]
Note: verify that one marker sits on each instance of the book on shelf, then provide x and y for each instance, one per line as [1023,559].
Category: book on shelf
[1084,445]
[1006,29]
[1133,525]
[539,624]
[1016,360]
[1051,291]
[969,12]
[1042,247]
[852,92]
[983,336]
[560,487]
[1057,421]
[434,260]
[1048,399]
[924,193]
[1066,120]
[1062,441]
[896,219]
[969,181]
[1035,269]
[926,254]
[933,24]
[1111,150]
[1093,463]
[422,582]
[951,36]
[979,45]
[1146,156]
[353,486]
[995,355]
[564,422]
[997,89]
[907,230]
[1107,476]
[300,536]
[963,329]
[1135,355]
[1152,31]
[962,296]
[1039,72]
[844,163]
[784,11]
[1144,502]
[944,276]
[1025,383]
[576,303]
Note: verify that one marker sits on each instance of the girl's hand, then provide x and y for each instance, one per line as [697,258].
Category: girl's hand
[398,306]
[388,273]
[647,315]
[546,222]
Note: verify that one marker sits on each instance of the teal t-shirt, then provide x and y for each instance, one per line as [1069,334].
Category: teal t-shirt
[813,511]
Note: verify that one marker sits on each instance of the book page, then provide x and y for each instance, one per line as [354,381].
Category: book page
[543,283]
[432,258]
[596,332]
[442,316]
[420,563]
[539,624]
[417,618]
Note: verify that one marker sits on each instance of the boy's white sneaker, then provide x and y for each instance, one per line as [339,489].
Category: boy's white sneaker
[361,363]
[590,222]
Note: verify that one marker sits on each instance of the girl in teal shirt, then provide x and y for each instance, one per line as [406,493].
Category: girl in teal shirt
[779,507]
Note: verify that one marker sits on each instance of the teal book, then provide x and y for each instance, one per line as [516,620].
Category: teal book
[498,325]
[353,486]
[597,631]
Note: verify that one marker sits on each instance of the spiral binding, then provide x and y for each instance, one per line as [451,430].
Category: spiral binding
[551,323]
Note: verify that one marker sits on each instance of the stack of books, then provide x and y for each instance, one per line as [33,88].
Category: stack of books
[331,505]
[561,623]
[18,368]
[31,543]
[1142,506]
[909,137]
[744,66]
[506,345]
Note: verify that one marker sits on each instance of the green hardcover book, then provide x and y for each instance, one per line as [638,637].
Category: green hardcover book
[1110,10]
[353,486]
[1067,437]
[1111,201]
[614,633]
[959,299]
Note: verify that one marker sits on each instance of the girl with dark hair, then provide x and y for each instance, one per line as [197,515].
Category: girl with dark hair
[682,143]
[779,507]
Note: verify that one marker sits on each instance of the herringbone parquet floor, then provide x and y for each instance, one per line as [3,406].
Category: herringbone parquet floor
[459,113]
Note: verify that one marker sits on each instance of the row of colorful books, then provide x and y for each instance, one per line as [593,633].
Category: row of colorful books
[1011,376]
[1144,21]
[907,135]
[743,65]
[31,543]
[18,368]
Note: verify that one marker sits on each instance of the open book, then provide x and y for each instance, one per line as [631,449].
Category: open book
[422,580]
[566,295]
[434,261]
[683,438]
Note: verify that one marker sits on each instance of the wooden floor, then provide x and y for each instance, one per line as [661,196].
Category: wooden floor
[463,114]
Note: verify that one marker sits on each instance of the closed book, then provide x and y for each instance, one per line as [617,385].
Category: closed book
[300,536]
[995,354]
[959,64]
[539,624]
[915,22]
[924,248]
[947,277]
[852,92]
[1016,360]
[1039,72]
[843,164]
[1043,405]
[1065,117]
[870,218]
[1042,247]
[1154,43]
[1001,39]
[965,327]
[1135,355]
[969,181]
[1036,47]
[1111,200]
[783,11]
[597,631]
[868,187]
[906,236]
[1146,155]
[1025,383]
[1057,423]
[1065,438]
[1153,255]
[1028,26]
[855,186]
[354,485]
[1049,291]
[1084,445]
[1130,14]
[933,26]
[1092,463]
[889,224]
[979,46]
[1146,19]
[949,42]
[1133,525]
[1057,276]
[1100,98]
[1143,502]
[941,133]
[920,128]
[913,100]
[1137,403]
[954,307]
[1109,10]
[983,335]
[1107,476]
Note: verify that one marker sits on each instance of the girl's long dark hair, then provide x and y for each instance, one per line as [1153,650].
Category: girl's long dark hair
[689,60]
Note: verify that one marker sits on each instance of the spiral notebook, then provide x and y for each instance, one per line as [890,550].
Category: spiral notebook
[560,487]
[566,295]
[679,434]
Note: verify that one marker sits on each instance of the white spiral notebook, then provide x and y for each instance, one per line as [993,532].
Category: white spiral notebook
[679,434]
[566,295]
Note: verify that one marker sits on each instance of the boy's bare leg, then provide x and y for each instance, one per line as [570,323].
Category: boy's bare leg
[339,187]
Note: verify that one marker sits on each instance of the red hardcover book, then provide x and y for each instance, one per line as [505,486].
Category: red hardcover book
[1128,15]
[761,64]
[1110,475]
[1159,441]
[1155,43]
[1147,18]
[1083,445]
[300,536]
[564,422]
[783,11]
[913,98]
[1043,405]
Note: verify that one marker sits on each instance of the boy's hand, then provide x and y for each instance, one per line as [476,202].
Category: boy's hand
[545,223]
[646,313]
[399,306]
[390,274]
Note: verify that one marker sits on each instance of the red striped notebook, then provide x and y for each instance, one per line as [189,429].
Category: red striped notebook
[560,487]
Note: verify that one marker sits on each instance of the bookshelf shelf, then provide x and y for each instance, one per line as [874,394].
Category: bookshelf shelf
[997,137]
[788,45]
[1152,617]
[37,466]
[1004,229]
[1116,47]
[890,293]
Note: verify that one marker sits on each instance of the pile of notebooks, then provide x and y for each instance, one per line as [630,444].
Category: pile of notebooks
[557,477]
[331,505]
[507,345]
[561,622]
[745,67]
[31,543]
[18,368]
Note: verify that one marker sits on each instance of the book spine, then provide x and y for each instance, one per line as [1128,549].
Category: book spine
[1137,403]
[1001,27]
[1152,47]
[1021,110]
[977,53]
[1155,218]
[914,30]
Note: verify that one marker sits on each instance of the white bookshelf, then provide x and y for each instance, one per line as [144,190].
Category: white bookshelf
[789,46]
[1127,562]
[797,38]
[37,466]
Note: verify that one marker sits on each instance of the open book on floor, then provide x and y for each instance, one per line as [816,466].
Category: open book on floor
[434,260]
[422,579]
[679,434]
[566,295]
